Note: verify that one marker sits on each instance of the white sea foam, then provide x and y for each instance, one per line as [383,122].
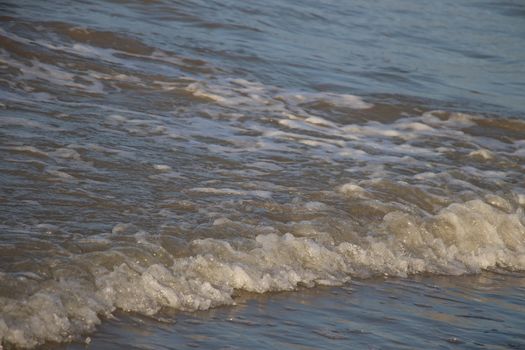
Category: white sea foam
[296,198]
[20,121]
[239,92]
[461,238]
[162,167]
[56,75]
[66,153]
[233,192]
[481,153]
[352,190]
[338,100]
[59,174]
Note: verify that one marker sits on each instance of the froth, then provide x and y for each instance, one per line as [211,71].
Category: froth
[240,92]
[144,277]
[259,189]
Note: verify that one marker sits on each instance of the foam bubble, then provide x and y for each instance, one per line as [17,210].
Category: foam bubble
[461,238]
[338,100]
[234,192]
[297,199]
[319,121]
[351,189]
[59,174]
[482,154]
[239,92]
[162,167]
[66,153]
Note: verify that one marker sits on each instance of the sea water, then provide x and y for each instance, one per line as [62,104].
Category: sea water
[317,174]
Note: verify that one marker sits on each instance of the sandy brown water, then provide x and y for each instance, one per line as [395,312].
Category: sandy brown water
[270,175]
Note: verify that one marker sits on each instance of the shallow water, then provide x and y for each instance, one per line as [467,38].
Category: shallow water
[468,312]
[164,157]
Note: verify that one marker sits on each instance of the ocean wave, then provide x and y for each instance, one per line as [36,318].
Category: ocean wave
[254,188]
[138,272]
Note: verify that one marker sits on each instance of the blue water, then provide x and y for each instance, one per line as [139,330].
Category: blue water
[470,53]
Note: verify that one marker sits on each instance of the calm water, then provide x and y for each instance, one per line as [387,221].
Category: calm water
[168,169]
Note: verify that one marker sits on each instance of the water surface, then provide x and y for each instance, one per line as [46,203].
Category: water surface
[160,159]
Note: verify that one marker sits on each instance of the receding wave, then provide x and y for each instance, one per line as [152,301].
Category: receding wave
[143,273]
[235,186]
[416,195]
